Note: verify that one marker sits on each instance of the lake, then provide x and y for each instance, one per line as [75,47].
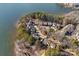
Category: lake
[9,14]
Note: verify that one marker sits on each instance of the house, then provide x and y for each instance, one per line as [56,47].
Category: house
[45,41]
[44,23]
[68,29]
[77,36]
[35,35]
[33,29]
[42,45]
[50,23]
[76,5]
[52,45]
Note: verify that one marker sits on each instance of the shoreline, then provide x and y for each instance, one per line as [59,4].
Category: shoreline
[13,37]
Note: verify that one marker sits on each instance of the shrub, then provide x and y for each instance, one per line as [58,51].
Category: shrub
[53,51]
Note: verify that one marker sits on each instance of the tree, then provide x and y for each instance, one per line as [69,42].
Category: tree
[30,40]
[73,42]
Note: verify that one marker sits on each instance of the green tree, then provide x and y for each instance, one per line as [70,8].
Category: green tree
[73,42]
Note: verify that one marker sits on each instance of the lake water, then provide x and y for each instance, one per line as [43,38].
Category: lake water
[9,13]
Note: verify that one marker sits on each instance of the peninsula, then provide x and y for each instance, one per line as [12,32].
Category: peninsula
[44,34]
